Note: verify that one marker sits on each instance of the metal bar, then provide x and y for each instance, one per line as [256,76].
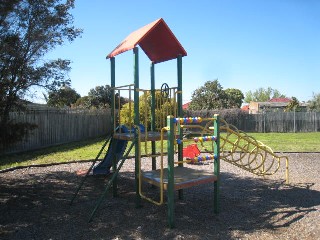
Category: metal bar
[180,112]
[113,117]
[170,190]
[113,83]
[114,176]
[136,121]
[118,87]
[89,170]
[216,206]
[153,114]
[160,202]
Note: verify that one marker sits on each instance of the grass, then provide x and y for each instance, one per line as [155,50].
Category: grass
[83,150]
[86,150]
[290,142]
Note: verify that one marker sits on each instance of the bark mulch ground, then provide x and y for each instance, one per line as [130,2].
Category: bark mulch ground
[34,204]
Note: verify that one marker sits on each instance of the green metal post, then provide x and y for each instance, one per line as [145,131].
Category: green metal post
[136,121]
[170,190]
[153,114]
[217,163]
[113,84]
[180,113]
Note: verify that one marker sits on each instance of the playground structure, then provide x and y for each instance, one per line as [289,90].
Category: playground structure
[242,150]
[164,107]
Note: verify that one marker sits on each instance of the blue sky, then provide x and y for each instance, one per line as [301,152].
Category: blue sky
[244,44]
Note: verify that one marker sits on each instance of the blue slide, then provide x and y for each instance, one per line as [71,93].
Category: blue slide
[115,150]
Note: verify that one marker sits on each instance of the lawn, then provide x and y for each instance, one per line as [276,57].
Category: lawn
[87,150]
[290,142]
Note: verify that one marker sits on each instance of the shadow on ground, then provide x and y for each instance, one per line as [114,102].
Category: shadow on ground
[37,207]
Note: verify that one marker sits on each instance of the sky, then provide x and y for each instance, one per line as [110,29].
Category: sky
[245,44]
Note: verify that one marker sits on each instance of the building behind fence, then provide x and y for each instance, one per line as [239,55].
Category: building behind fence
[58,126]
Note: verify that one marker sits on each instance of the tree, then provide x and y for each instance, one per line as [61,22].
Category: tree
[293,105]
[262,95]
[212,96]
[28,30]
[82,102]
[314,103]
[63,97]
[234,98]
[100,97]
[163,108]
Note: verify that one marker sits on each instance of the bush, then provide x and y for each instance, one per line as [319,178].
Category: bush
[14,132]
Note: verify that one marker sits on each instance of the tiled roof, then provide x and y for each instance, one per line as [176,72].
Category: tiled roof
[245,108]
[186,105]
[283,100]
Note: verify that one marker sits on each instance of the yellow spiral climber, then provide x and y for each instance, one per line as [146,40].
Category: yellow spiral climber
[242,150]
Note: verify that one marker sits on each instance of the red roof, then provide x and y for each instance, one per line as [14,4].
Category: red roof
[185,106]
[156,40]
[283,100]
[245,108]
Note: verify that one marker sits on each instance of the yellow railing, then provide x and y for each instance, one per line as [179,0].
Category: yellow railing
[160,202]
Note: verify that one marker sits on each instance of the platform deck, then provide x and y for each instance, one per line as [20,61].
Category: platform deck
[184,177]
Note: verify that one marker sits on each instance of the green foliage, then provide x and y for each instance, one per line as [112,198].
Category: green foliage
[262,95]
[232,116]
[29,30]
[16,132]
[164,107]
[314,103]
[234,98]
[82,102]
[64,97]
[293,105]
[212,96]
[100,97]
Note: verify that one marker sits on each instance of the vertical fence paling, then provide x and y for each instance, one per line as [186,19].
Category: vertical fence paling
[284,122]
[57,126]
[269,121]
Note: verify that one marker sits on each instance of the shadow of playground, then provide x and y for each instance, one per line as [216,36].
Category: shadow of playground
[37,206]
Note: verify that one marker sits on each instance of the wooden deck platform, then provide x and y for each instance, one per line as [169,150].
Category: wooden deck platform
[184,177]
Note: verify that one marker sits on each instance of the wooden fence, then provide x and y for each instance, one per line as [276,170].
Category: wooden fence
[279,122]
[57,126]
[266,122]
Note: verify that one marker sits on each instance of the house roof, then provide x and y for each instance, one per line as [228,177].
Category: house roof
[245,108]
[283,100]
[186,105]
[156,40]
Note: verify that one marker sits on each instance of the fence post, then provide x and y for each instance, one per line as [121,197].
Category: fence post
[264,121]
[294,119]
